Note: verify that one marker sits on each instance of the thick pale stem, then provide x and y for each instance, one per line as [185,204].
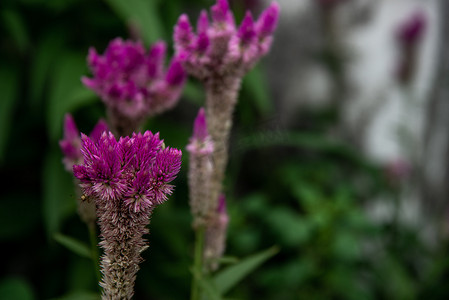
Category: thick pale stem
[221,97]
[122,241]
[199,187]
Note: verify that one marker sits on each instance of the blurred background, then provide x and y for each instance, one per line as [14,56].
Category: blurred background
[339,151]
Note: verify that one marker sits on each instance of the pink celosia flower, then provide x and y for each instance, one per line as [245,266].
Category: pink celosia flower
[411,31]
[133,83]
[408,36]
[134,169]
[127,179]
[221,47]
[200,170]
[71,144]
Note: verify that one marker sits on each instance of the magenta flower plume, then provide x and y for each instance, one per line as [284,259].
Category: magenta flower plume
[127,179]
[132,83]
[71,144]
[219,46]
[136,170]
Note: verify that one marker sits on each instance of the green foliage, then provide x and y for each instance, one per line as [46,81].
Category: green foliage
[232,275]
[74,245]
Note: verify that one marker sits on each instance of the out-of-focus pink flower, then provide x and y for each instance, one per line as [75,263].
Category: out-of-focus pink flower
[411,30]
[71,144]
[133,83]
[408,36]
[218,45]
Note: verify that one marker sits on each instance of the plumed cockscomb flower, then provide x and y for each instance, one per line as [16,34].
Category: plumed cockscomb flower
[133,83]
[134,169]
[127,179]
[71,144]
[219,46]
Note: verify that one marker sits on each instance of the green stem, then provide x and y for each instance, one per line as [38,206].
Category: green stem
[94,249]
[197,263]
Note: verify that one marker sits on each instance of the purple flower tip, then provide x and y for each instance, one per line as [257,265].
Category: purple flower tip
[203,22]
[98,130]
[70,130]
[200,126]
[412,29]
[267,21]
[247,31]
[202,43]
[220,11]
[156,59]
[176,75]
[183,32]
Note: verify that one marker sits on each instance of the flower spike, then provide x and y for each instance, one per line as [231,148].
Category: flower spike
[127,179]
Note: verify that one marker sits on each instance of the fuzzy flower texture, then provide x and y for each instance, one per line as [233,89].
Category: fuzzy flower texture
[221,47]
[132,83]
[126,179]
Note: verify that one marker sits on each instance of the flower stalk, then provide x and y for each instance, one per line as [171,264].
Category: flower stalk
[219,54]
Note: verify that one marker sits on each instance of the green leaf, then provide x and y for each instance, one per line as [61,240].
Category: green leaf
[207,286]
[194,93]
[14,23]
[231,276]
[67,92]
[8,90]
[74,245]
[42,63]
[256,86]
[58,193]
[292,229]
[15,289]
[141,14]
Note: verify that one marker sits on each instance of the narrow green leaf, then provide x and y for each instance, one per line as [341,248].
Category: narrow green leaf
[231,276]
[142,14]
[207,286]
[14,23]
[8,90]
[74,245]
[42,63]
